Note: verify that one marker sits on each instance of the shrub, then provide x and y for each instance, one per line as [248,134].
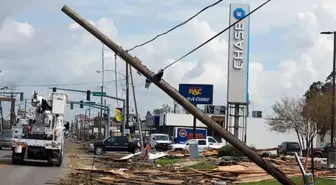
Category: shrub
[229,150]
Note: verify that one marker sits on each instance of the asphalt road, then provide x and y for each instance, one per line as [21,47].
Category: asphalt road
[30,173]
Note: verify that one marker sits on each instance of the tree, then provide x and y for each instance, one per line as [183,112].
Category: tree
[290,115]
[165,108]
[318,98]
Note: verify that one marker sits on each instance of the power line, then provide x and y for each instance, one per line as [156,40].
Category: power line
[181,24]
[43,85]
[221,32]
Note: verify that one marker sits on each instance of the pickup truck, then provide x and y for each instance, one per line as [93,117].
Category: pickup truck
[209,142]
[289,148]
[160,142]
[114,144]
[322,152]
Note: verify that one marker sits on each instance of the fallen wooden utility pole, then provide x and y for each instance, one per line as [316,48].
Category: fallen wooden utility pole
[173,93]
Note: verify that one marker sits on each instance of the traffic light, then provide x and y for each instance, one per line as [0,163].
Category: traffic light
[81,104]
[71,106]
[88,95]
[67,125]
[21,96]
[54,89]
[105,116]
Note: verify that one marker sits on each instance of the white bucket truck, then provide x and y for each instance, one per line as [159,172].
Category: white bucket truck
[43,137]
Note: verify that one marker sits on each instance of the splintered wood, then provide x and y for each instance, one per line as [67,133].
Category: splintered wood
[243,172]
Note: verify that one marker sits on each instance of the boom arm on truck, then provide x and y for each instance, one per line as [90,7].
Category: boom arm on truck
[44,140]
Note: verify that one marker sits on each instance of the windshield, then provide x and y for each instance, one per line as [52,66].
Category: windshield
[324,145]
[162,138]
[6,134]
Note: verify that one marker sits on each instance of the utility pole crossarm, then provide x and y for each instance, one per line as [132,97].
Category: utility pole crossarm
[251,154]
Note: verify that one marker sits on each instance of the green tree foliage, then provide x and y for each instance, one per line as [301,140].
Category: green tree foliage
[319,98]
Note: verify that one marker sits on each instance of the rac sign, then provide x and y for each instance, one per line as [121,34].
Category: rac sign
[195,91]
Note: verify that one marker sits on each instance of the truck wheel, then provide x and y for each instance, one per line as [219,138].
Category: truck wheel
[59,162]
[136,150]
[98,150]
[14,161]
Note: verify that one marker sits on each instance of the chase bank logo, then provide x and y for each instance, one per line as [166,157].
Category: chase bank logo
[239,13]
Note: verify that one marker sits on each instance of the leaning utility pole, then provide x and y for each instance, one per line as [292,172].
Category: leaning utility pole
[171,91]
[127,100]
[136,110]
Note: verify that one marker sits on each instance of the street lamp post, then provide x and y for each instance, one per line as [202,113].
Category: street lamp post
[102,91]
[333,88]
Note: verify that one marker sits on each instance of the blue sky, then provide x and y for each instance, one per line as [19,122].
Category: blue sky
[278,34]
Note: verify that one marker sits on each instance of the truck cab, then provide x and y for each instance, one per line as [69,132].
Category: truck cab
[160,142]
[289,148]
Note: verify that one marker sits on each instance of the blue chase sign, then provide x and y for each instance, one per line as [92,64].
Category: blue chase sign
[197,93]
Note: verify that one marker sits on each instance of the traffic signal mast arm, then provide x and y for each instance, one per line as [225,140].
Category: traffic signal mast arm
[173,93]
[98,106]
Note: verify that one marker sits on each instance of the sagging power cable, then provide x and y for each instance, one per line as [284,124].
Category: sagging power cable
[181,24]
[218,34]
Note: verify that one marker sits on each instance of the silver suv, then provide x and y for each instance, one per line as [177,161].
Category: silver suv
[5,138]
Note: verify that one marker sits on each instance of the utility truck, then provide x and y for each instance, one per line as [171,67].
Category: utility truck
[42,136]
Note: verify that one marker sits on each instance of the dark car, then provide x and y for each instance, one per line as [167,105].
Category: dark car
[289,148]
[115,144]
[5,138]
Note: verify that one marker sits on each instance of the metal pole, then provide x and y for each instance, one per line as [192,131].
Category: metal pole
[332,132]
[102,91]
[124,118]
[171,91]
[25,109]
[107,128]
[90,122]
[194,126]
[236,121]
[127,98]
[2,119]
[136,110]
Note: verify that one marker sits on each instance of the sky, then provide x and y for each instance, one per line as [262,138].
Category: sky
[41,47]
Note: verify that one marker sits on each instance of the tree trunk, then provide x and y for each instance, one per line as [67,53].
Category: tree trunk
[299,140]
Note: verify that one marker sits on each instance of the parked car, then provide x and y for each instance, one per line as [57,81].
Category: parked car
[209,142]
[160,142]
[289,148]
[114,144]
[5,138]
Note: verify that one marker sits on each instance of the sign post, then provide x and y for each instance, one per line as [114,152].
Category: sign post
[197,94]
[238,68]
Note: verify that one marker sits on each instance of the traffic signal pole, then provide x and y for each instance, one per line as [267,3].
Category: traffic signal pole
[107,96]
[174,94]
[97,106]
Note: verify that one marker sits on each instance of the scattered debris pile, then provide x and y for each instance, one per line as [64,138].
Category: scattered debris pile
[133,169]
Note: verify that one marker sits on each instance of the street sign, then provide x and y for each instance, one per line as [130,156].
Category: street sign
[98,93]
[90,102]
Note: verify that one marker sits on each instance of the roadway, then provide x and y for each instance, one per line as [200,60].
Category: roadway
[30,173]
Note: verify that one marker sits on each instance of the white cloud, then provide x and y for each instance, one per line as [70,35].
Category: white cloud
[66,54]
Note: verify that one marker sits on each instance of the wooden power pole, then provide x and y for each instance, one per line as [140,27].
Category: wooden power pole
[171,91]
